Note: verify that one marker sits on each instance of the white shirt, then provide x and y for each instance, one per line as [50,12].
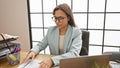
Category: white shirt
[61,41]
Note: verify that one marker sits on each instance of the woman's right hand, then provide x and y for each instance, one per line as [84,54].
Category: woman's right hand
[30,55]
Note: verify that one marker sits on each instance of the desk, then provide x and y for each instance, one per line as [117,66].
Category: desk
[4,63]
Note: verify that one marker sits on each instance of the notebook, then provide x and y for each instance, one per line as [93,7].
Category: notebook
[96,61]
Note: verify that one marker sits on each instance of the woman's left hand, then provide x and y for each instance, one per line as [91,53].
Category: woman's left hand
[46,63]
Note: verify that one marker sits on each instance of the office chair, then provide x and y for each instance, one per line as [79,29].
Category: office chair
[85,43]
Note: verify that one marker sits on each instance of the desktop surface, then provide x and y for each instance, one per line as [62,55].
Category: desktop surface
[4,63]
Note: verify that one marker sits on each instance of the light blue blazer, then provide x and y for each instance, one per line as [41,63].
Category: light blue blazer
[71,46]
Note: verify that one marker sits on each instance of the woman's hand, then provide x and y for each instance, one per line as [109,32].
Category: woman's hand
[46,63]
[30,55]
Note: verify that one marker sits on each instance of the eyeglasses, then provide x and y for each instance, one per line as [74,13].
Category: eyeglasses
[60,19]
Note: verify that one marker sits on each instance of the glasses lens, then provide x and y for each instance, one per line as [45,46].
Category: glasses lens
[53,18]
[60,19]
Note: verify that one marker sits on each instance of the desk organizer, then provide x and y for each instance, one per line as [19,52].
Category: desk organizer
[13,58]
[12,54]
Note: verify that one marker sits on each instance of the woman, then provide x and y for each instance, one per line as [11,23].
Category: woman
[64,39]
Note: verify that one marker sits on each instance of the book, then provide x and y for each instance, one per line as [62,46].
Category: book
[7,37]
[30,64]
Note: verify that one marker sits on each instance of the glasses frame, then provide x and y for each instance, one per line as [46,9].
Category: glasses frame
[59,19]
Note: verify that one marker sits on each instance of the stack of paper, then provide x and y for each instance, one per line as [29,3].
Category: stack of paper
[7,37]
[30,64]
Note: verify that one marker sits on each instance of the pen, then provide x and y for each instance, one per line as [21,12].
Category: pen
[15,49]
[18,50]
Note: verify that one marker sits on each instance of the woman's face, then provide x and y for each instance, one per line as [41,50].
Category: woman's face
[61,19]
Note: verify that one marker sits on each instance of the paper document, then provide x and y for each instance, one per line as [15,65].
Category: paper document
[3,52]
[30,64]
[8,37]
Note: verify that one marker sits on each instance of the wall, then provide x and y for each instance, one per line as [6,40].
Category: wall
[14,20]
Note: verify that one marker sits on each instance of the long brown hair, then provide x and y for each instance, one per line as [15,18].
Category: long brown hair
[65,8]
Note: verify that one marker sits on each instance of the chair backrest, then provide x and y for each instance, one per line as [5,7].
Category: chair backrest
[85,43]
